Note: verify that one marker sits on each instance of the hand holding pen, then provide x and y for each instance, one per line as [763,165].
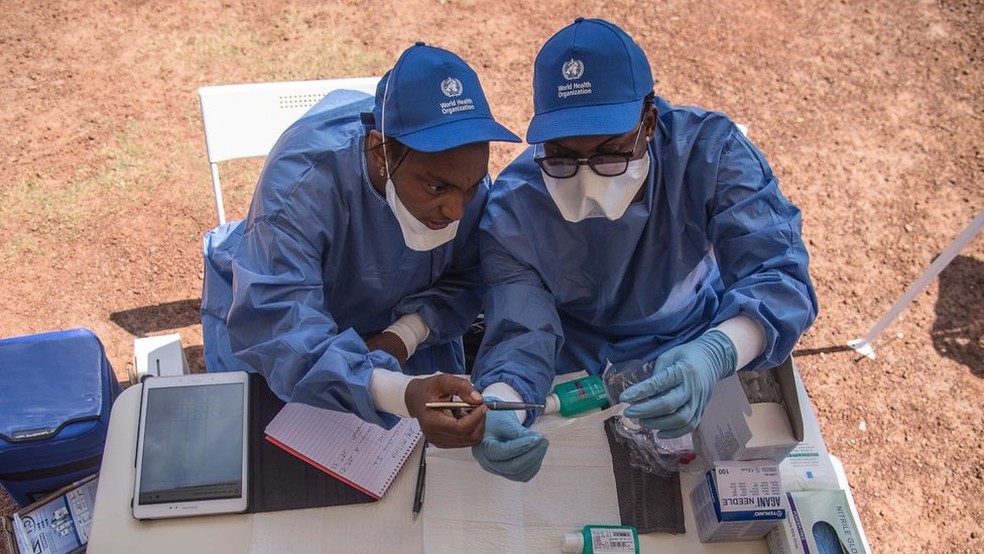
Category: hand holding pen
[446,428]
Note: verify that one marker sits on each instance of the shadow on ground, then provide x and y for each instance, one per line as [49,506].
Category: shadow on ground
[958,332]
[150,320]
[147,320]
[821,350]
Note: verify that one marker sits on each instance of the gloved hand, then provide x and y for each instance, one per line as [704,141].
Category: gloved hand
[674,398]
[509,449]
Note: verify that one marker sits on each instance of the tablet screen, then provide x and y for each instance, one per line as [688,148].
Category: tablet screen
[192,448]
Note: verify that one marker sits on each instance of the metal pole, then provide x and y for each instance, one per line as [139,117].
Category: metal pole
[865,346]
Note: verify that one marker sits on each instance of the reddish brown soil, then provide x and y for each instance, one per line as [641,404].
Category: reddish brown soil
[870,113]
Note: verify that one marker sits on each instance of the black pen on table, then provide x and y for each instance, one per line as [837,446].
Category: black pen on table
[418,495]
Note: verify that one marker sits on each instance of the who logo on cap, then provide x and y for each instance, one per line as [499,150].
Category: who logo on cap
[573,69]
[590,78]
[451,87]
[433,101]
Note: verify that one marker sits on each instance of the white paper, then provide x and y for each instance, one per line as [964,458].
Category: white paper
[468,509]
[360,453]
[271,532]
[353,529]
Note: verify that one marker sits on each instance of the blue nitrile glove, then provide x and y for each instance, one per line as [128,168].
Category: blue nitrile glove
[674,398]
[509,449]
[826,539]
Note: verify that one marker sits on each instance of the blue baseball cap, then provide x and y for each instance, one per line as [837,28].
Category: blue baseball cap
[433,101]
[589,79]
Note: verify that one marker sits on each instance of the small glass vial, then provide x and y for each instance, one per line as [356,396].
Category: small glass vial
[577,396]
[602,539]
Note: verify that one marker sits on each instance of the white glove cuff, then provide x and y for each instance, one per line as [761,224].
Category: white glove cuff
[388,391]
[747,335]
[412,331]
[507,394]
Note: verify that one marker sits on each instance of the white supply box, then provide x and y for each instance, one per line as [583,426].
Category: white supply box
[809,466]
[808,509]
[738,501]
[158,356]
[734,429]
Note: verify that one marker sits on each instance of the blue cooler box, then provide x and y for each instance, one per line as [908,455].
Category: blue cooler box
[58,389]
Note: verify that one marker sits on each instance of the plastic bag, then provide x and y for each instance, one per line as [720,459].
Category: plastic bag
[647,452]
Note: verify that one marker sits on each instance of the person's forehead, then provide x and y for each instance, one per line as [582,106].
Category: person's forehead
[461,166]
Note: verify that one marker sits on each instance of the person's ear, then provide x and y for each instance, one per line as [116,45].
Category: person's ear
[374,147]
[652,114]
[375,141]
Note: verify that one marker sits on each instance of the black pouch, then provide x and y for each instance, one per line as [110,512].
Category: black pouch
[646,501]
[278,480]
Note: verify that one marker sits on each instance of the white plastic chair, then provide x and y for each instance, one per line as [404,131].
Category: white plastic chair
[245,121]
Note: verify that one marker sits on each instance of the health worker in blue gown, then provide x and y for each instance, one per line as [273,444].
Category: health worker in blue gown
[357,267]
[632,228]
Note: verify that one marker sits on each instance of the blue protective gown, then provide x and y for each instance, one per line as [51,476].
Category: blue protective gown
[320,264]
[712,238]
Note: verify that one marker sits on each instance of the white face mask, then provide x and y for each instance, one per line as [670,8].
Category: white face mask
[416,235]
[588,194]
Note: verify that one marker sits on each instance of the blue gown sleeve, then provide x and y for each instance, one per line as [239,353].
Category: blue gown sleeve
[278,324]
[756,235]
[451,305]
[523,333]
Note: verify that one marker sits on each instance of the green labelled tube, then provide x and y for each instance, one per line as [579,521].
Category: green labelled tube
[602,539]
[577,396]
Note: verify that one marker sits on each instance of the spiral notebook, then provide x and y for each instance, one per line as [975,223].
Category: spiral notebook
[361,454]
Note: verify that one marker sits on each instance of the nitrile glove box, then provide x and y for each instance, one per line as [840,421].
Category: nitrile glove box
[738,501]
[732,428]
[57,392]
[806,511]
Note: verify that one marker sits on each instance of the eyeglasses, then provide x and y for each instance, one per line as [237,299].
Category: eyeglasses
[605,164]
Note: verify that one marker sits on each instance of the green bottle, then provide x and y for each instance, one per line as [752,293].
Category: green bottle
[602,539]
[579,395]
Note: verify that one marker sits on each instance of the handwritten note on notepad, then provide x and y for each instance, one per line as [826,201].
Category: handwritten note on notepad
[363,455]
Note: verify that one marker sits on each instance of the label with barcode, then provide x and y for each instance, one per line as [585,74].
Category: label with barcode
[612,541]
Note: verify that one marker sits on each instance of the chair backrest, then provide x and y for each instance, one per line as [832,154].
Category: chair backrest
[245,121]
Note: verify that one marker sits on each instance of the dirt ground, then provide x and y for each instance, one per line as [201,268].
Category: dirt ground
[869,111]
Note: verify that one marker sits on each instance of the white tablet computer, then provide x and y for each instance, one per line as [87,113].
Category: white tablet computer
[192,446]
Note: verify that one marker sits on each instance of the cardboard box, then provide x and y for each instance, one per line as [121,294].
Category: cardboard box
[809,466]
[734,429]
[808,509]
[738,501]
[56,524]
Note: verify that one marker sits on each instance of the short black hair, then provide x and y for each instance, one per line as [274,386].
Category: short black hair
[395,150]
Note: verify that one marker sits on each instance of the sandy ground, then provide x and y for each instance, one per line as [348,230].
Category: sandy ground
[870,113]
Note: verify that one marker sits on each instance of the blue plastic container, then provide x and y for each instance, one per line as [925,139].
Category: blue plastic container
[57,392]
